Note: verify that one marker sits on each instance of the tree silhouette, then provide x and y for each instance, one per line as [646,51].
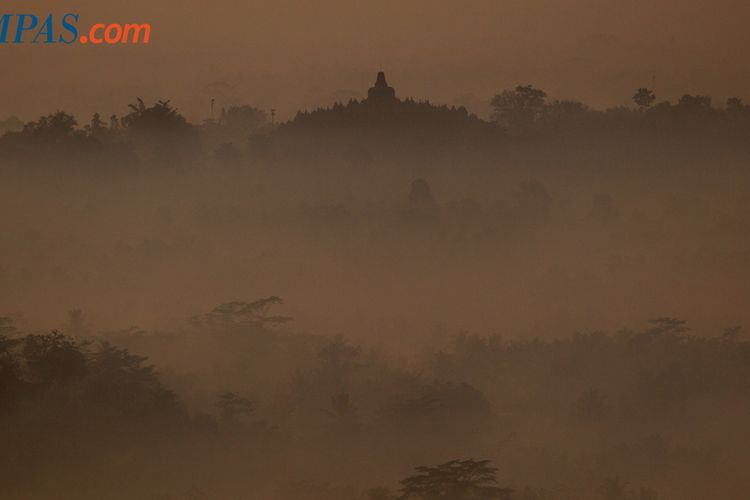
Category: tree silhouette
[343,415]
[77,325]
[160,129]
[420,195]
[379,493]
[341,406]
[613,488]
[96,128]
[337,358]
[241,121]
[11,124]
[735,105]
[644,98]
[55,126]
[233,409]
[454,480]
[6,327]
[694,103]
[233,315]
[122,383]
[667,326]
[152,119]
[53,358]
[10,370]
[519,109]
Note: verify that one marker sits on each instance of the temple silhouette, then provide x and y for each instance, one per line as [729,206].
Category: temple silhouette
[381,91]
[379,123]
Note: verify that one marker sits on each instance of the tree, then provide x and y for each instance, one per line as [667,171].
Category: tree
[56,126]
[10,371]
[379,493]
[534,201]
[647,494]
[613,488]
[454,480]
[644,98]
[243,120]
[53,358]
[420,195]
[694,103]
[519,109]
[337,358]
[233,409]
[11,124]
[159,128]
[77,325]
[566,114]
[114,123]
[667,326]
[234,315]
[735,105]
[341,406]
[227,151]
[6,327]
[96,128]
[159,118]
[124,384]
[592,405]
[52,137]
[603,209]
[343,416]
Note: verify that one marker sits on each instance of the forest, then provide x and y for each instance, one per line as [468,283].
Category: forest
[377,300]
[366,132]
[239,406]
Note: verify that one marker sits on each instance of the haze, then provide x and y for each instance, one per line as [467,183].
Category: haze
[415,251]
[294,55]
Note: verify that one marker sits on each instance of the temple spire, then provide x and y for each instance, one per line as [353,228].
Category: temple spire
[381,90]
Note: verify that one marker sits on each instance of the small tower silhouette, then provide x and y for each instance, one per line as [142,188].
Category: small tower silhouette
[420,195]
[381,91]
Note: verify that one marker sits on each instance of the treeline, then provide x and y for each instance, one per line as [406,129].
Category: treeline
[358,130]
[155,135]
[527,110]
[286,415]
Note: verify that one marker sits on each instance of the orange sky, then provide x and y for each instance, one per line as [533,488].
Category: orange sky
[292,54]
